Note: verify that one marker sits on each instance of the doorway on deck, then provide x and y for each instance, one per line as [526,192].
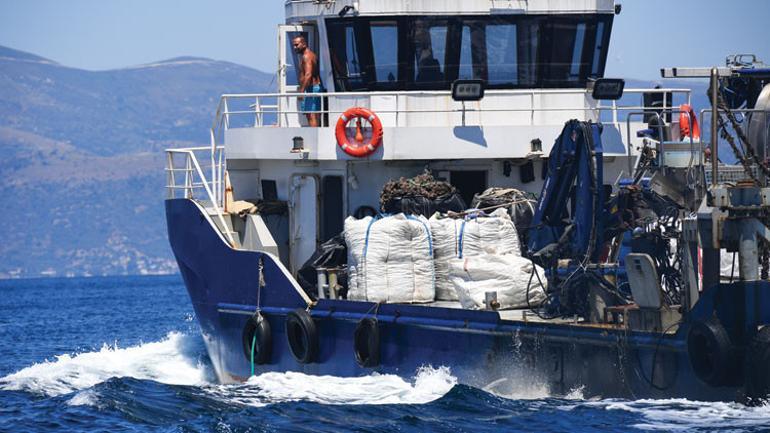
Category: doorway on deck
[468,183]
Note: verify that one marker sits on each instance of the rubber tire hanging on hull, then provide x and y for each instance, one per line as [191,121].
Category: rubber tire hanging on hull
[366,343]
[758,365]
[258,326]
[711,353]
[302,336]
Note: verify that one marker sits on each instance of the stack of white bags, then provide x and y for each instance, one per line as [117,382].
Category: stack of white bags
[410,259]
[479,255]
[390,259]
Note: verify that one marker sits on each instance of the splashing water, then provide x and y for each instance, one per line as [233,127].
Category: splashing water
[683,414]
[168,385]
[428,384]
[172,361]
[175,360]
[167,361]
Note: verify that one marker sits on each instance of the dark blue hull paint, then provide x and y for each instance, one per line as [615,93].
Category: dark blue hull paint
[478,346]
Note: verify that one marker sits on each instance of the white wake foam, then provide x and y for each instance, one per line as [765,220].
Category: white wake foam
[427,385]
[170,361]
[683,414]
[164,361]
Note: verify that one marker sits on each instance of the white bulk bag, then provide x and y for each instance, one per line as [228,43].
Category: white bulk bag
[390,259]
[494,234]
[457,238]
[508,275]
[444,232]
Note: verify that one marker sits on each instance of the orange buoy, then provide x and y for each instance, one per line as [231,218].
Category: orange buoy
[360,147]
[686,118]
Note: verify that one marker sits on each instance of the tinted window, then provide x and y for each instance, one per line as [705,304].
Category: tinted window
[385,49]
[421,53]
[502,63]
[598,48]
[345,54]
[429,45]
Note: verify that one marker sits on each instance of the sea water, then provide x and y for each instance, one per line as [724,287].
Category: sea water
[125,354]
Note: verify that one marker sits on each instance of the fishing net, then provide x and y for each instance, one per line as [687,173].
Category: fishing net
[420,195]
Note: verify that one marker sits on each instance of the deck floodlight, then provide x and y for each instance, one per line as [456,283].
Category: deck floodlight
[536,145]
[467,90]
[608,88]
[298,145]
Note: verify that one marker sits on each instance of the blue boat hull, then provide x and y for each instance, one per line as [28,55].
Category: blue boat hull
[480,349]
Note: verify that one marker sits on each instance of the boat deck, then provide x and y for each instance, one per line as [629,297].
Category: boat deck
[519,315]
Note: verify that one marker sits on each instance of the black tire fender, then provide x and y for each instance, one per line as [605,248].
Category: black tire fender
[257,326]
[711,352]
[366,343]
[302,336]
[758,366]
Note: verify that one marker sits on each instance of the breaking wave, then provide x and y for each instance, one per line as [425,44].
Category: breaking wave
[683,414]
[176,360]
[113,374]
[427,385]
[170,361]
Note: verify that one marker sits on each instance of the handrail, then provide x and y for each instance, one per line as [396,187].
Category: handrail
[449,93]
[221,121]
[192,167]
[259,108]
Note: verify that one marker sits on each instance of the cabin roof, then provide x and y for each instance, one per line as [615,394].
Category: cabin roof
[314,8]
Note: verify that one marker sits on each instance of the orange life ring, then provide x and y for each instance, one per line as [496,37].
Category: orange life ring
[358,148]
[684,123]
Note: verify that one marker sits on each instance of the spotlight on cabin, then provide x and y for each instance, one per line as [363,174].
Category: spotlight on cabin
[298,145]
[467,90]
[344,11]
[536,145]
[607,88]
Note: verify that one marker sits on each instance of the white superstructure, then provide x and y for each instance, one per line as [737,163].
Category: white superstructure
[399,58]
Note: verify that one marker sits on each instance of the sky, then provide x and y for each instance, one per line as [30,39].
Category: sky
[109,34]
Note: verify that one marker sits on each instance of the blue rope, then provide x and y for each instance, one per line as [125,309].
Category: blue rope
[369,227]
[253,345]
[462,230]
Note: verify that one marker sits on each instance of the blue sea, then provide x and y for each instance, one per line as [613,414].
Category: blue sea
[125,354]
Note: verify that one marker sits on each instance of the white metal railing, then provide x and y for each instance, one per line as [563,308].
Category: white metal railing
[267,109]
[271,109]
[185,178]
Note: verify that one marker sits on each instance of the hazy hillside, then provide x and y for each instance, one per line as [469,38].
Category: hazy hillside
[82,167]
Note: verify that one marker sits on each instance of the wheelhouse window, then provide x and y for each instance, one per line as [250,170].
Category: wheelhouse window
[429,53]
[384,34]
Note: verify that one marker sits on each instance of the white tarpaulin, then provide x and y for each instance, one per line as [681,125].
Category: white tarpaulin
[507,275]
[457,238]
[390,259]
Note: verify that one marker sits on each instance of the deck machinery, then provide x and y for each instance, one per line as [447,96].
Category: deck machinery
[635,208]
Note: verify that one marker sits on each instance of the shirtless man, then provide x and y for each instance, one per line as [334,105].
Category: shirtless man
[309,80]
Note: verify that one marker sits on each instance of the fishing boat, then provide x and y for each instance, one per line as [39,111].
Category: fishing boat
[564,230]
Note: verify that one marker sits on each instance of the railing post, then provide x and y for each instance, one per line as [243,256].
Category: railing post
[188,192]
[170,180]
[714,138]
[226,114]
[258,121]
[221,177]
[213,150]
[532,108]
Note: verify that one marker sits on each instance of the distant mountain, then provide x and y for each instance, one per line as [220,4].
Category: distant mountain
[81,177]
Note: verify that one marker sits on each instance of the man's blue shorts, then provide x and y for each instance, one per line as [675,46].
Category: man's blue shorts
[312,104]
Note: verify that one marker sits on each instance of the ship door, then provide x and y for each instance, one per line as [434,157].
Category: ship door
[288,70]
[303,219]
